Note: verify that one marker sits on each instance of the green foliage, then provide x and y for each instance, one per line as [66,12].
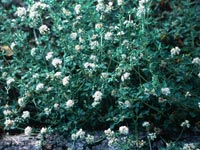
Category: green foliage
[95,65]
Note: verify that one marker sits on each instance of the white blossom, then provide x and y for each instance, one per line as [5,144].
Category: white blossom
[95,103]
[186,123]
[123,130]
[98,26]
[7,112]
[146,124]
[9,81]
[199,104]
[8,122]
[47,111]
[199,74]
[43,130]
[49,55]
[94,44]
[89,139]
[77,9]
[97,96]
[196,61]
[26,114]
[89,65]
[33,51]
[21,12]
[56,106]
[175,51]
[69,103]
[56,62]
[65,80]
[39,86]
[120,2]
[43,29]
[28,131]
[165,91]
[73,36]
[152,136]
[189,146]
[21,102]
[108,36]
[125,76]
[57,74]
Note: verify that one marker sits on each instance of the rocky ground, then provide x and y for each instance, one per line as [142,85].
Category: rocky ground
[56,142]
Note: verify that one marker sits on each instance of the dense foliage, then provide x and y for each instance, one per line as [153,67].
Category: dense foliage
[102,64]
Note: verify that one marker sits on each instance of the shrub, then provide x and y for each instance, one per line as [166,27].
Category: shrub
[99,64]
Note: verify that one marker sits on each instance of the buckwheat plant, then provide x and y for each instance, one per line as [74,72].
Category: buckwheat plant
[99,64]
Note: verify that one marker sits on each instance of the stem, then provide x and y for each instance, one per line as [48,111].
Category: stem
[179,135]
[149,144]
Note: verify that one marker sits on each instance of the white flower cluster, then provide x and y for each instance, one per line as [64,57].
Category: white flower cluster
[7,112]
[175,51]
[196,60]
[49,55]
[146,124]
[56,62]
[80,134]
[69,103]
[199,104]
[140,144]
[123,130]
[152,136]
[125,104]
[190,146]
[108,36]
[47,111]
[43,29]
[186,123]
[120,2]
[34,10]
[43,131]
[21,12]
[65,80]
[141,8]
[165,91]
[97,97]
[28,131]
[89,139]
[100,7]
[125,76]
[25,114]
[77,9]
[88,65]
[9,123]
[39,86]
[110,136]
[9,81]
[21,102]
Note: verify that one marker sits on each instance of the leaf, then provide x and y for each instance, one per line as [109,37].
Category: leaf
[7,50]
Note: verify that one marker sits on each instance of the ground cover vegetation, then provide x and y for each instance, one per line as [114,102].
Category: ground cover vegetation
[120,66]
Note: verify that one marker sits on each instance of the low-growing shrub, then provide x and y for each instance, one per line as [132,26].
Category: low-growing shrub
[99,64]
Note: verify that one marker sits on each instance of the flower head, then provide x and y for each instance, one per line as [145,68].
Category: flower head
[65,80]
[26,114]
[56,62]
[186,123]
[175,51]
[28,131]
[21,12]
[165,91]
[123,130]
[69,103]
[43,29]
[39,87]
[97,96]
